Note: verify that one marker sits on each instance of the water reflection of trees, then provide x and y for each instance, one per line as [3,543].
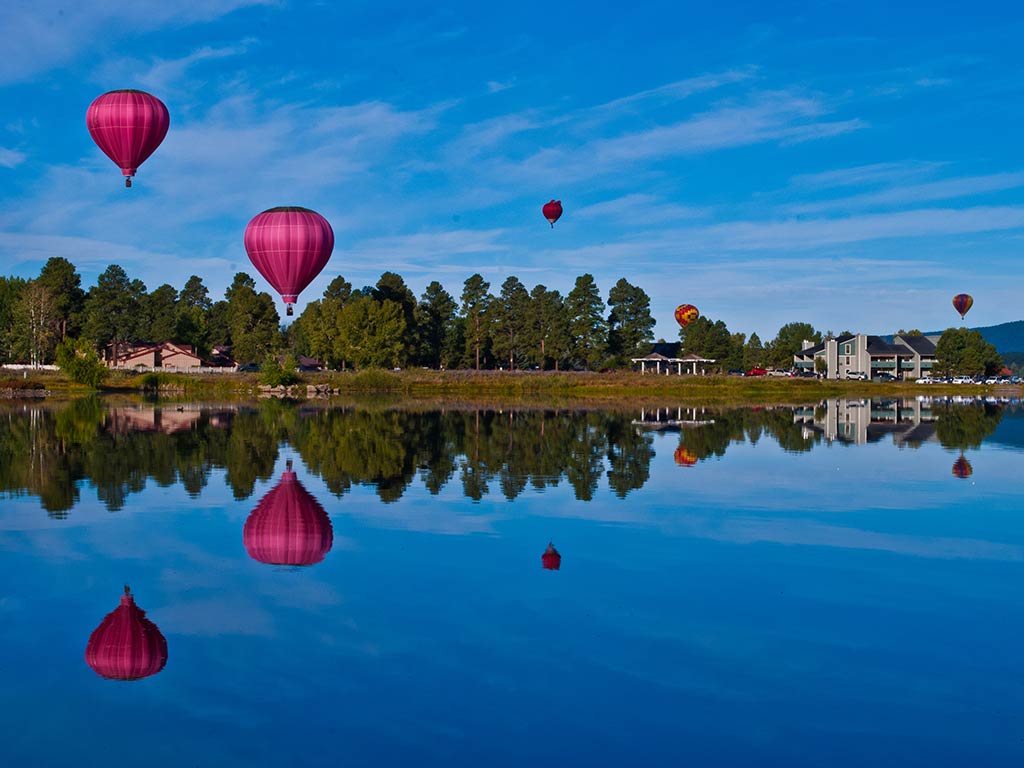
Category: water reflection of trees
[51,452]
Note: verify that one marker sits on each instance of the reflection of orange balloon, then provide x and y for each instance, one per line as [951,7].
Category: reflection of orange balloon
[686,314]
[962,468]
[684,456]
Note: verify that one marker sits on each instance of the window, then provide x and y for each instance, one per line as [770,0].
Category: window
[847,349]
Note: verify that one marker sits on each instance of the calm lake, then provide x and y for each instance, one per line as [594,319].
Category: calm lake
[837,584]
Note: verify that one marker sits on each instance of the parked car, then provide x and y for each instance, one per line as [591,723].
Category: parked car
[857,375]
[925,380]
[883,376]
[737,372]
[756,372]
[248,368]
[963,380]
[776,372]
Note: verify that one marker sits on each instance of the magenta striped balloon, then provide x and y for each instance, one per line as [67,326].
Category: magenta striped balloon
[288,526]
[128,126]
[126,645]
[289,246]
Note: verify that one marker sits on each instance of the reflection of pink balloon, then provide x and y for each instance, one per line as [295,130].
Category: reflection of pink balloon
[289,246]
[551,560]
[288,526]
[126,645]
[128,126]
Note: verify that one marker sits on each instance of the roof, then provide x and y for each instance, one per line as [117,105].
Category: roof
[923,345]
[877,346]
[666,348]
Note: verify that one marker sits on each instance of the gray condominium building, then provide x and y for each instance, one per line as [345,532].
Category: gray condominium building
[907,357]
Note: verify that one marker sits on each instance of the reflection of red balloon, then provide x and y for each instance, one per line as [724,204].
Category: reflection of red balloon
[551,560]
[289,246]
[128,126]
[126,645]
[962,468]
[686,314]
[962,303]
[553,211]
[288,526]
[684,456]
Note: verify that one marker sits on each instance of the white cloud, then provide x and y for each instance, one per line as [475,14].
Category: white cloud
[875,173]
[11,158]
[908,194]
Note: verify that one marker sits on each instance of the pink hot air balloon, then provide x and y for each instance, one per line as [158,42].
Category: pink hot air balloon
[288,526]
[126,645]
[128,126]
[289,246]
[552,211]
[551,560]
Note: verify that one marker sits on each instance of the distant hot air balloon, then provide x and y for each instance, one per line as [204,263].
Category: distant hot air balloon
[962,303]
[126,645]
[962,468]
[288,526]
[686,314]
[684,457]
[289,246]
[128,126]
[551,560]
[553,211]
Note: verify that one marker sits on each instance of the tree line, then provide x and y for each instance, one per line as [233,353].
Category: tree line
[384,325]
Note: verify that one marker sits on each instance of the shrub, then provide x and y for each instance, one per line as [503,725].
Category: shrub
[80,363]
[274,374]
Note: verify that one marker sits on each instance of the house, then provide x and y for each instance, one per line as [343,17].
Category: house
[908,357]
[167,354]
[667,354]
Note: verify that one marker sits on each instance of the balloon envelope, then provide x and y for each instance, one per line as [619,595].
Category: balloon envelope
[289,246]
[551,560]
[684,457]
[288,526]
[962,468]
[686,314]
[128,126]
[553,211]
[126,645]
[962,302]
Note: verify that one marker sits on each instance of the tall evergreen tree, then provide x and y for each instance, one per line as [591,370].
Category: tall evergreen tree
[630,324]
[112,308]
[510,318]
[391,287]
[434,314]
[65,285]
[160,314]
[548,330]
[788,342]
[371,333]
[252,319]
[476,302]
[10,290]
[753,353]
[588,332]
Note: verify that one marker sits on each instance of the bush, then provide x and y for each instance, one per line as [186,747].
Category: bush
[274,374]
[80,363]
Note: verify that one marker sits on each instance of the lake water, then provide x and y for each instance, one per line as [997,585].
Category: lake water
[837,584]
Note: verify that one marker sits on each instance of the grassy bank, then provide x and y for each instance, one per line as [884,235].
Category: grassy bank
[529,385]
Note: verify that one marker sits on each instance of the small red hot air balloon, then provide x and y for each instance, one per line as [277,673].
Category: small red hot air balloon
[553,211]
[962,303]
[288,526]
[962,468]
[551,560]
[684,457]
[126,645]
[289,246]
[686,314]
[128,125]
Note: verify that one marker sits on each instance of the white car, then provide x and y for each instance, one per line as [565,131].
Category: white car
[963,380]
[858,375]
[925,380]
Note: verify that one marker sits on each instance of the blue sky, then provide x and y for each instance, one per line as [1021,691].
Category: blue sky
[844,164]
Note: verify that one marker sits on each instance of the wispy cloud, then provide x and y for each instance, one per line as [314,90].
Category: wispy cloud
[162,75]
[11,158]
[919,193]
[640,209]
[41,34]
[863,175]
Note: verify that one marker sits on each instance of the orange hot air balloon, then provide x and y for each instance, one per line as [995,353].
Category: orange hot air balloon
[684,456]
[551,560]
[962,468]
[962,303]
[686,314]
[552,211]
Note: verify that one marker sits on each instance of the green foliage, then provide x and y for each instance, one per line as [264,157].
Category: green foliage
[371,333]
[275,373]
[788,342]
[113,308]
[80,363]
[476,302]
[252,320]
[630,324]
[588,331]
[963,351]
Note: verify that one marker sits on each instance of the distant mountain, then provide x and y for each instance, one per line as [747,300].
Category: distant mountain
[1007,338]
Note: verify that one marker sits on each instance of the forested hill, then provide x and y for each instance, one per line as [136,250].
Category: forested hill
[1005,337]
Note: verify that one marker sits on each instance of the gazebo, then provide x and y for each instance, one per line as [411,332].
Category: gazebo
[657,359]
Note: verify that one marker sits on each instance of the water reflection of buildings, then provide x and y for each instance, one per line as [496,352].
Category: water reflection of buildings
[166,420]
[671,419]
[289,526]
[908,420]
[126,645]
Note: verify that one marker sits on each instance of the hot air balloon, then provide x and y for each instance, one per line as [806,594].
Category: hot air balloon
[552,211]
[551,560]
[684,457]
[128,126]
[288,526]
[962,468]
[962,303]
[289,246]
[126,645]
[686,314]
